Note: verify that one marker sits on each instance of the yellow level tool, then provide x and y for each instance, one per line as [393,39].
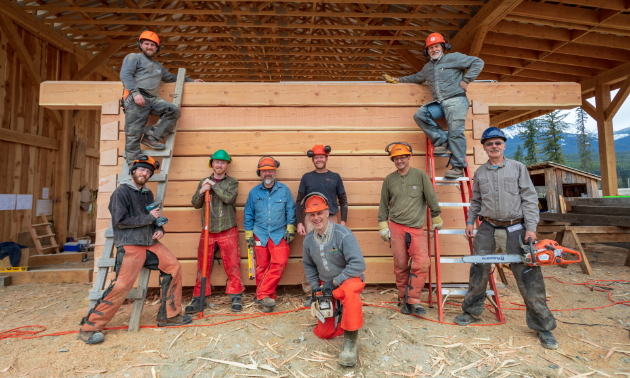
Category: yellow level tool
[14,269]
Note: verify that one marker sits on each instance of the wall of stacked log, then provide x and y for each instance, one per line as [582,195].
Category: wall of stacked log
[31,136]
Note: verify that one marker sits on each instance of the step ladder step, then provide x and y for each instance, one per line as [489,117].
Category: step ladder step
[446,179]
[109,233]
[461,292]
[454,204]
[50,247]
[135,293]
[44,236]
[40,224]
[159,177]
[105,263]
[446,154]
[452,232]
[158,153]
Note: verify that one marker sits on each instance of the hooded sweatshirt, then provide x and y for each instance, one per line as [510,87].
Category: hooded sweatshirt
[132,223]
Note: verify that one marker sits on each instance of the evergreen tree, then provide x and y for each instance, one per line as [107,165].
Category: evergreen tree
[554,125]
[528,135]
[518,155]
[584,141]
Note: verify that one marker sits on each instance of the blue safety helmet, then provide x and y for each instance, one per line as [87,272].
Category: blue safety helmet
[492,132]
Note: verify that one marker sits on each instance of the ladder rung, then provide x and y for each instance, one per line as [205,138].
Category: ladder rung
[442,179]
[135,293]
[453,232]
[109,233]
[158,153]
[454,204]
[446,154]
[462,292]
[155,177]
[105,263]
[44,236]
[50,247]
[40,224]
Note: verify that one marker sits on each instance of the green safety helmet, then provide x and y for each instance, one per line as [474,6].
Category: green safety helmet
[219,155]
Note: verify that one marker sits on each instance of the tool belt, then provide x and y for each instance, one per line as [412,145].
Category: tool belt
[500,223]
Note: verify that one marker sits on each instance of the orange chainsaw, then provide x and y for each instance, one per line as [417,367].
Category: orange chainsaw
[542,253]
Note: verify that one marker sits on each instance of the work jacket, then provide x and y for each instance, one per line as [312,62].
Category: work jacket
[224,194]
[268,214]
[505,193]
[445,74]
[133,224]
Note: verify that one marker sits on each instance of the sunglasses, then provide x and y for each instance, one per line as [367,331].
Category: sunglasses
[490,144]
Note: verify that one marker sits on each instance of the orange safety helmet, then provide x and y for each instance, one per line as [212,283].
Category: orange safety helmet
[435,38]
[149,36]
[266,163]
[400,148]
[319,149]
[315,202]
[145,161]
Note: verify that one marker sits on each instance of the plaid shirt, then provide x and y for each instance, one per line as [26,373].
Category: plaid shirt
[224,194]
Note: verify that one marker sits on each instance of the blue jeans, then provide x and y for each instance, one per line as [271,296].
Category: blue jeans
[454,109]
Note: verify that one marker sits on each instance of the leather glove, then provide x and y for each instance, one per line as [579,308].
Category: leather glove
[289,235]
[437,222]
[249,238]
[328,287]
[389,79]
[383,229]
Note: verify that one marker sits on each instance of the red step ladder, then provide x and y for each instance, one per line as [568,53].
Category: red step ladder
[443,291]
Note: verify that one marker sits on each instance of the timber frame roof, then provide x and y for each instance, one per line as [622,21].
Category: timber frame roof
[585,41]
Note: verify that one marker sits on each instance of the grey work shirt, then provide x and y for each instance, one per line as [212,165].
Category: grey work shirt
[338,256]
[505,193]
[444,75]
[141,74]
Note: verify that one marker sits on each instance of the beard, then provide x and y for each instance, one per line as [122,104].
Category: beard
[268,180]
[149,54]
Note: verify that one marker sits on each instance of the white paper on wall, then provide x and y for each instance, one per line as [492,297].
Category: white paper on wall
[44,206]
[45,193]
[7,201]
[24,202]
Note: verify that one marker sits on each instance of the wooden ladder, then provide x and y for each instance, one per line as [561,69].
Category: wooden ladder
[106,261]
[49,234]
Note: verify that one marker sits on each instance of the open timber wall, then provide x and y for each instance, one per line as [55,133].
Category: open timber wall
[356,130]
[31,137]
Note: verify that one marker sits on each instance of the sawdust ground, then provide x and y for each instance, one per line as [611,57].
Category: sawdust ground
[389,342]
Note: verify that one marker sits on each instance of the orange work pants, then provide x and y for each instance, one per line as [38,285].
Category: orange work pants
[412,281]
[349,294]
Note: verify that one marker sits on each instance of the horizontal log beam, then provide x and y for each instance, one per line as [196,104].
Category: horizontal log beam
[509,96]
[29,139]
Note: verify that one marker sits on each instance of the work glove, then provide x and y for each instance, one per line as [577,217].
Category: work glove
[383,229]
[437,222]
[389,79]
[249,238]
[289,235]
[328,287]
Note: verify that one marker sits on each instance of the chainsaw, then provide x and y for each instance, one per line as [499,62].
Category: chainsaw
[322,307]
[542,253]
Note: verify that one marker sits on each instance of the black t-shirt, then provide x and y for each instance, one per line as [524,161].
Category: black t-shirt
[329,184]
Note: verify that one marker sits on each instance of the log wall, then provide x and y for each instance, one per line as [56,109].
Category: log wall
[357,134]
[30,138]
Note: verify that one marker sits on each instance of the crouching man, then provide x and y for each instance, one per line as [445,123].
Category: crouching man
[136,237]
[331,255]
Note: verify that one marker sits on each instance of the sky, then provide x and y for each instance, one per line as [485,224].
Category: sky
[620,121]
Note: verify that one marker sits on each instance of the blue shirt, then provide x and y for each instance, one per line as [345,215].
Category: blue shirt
[269,213]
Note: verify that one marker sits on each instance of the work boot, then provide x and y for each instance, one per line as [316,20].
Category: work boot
[441,149]
[268,301]
[454,172]
[267,308]
[152,142]
[405,309]
[466,319]
[308,301]
[548,340]
[417,309]
[91,337]
[348,355]
[177,320]
[193,307]
[237,304]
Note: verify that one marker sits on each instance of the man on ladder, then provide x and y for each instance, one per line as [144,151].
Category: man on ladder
[136,237]
[222,231]
[331,255]
[269,223]
[329,184]
[505,200]
[445,75]
[141,76]
[404,199]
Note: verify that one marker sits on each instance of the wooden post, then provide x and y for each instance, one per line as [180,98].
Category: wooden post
[550,185]
[607,160]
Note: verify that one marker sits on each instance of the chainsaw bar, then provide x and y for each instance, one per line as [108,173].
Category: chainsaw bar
[492,259]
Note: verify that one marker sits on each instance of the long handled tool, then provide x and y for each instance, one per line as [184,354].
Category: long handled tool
[202,302]
[251,262]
